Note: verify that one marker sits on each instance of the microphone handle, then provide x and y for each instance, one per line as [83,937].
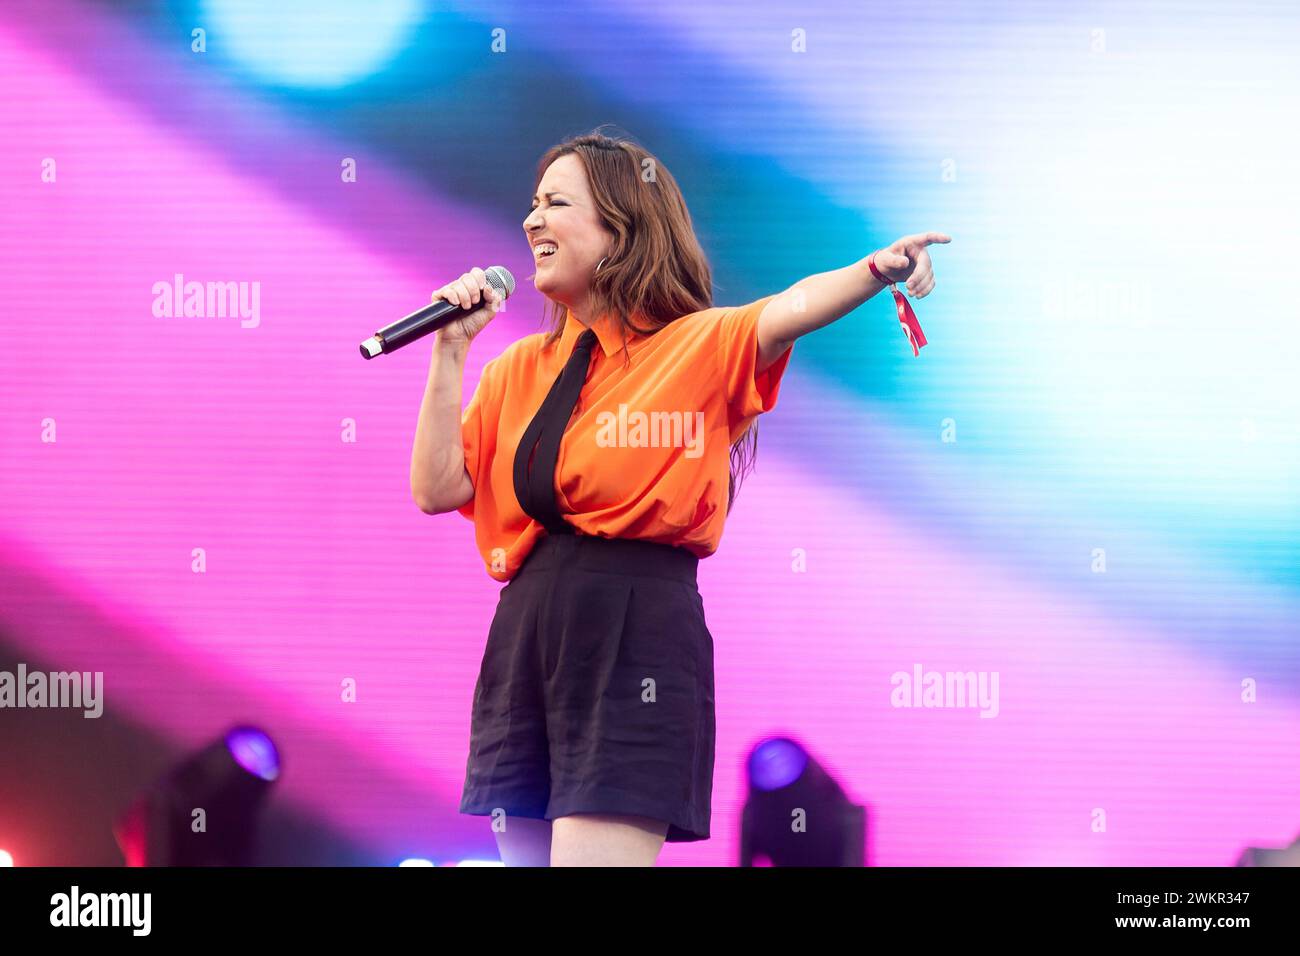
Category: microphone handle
[415,326]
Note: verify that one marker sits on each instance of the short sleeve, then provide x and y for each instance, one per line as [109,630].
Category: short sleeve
[749,392]
[481,407]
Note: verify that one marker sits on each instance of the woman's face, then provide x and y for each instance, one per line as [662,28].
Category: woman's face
[564,215]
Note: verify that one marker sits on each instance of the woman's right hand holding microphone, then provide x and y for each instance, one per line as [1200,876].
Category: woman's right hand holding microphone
[470,289]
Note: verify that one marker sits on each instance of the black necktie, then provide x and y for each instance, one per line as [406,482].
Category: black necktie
[535,474]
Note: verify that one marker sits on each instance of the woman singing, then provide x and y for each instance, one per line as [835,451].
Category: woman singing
[595,461]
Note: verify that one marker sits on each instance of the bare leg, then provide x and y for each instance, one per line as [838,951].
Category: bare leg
[524,841]
[606,839]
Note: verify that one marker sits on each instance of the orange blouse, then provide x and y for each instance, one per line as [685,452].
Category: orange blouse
[646,453]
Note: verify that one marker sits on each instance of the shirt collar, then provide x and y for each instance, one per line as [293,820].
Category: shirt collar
[604,327]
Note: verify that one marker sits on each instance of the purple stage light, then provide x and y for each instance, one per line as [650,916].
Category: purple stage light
[254,751]
[776,762]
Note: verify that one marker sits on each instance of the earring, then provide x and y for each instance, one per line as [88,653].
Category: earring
[602,262]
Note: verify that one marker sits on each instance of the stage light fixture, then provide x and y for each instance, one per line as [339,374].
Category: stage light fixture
[204,812]
[795,813]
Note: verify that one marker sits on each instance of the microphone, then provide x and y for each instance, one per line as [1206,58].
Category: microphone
[432,317]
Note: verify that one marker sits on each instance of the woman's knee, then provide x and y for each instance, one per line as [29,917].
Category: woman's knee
[606,839]
[522,841]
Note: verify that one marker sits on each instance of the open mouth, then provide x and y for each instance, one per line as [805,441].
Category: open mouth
[544,250]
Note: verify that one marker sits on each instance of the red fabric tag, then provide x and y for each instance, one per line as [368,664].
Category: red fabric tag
[906,317]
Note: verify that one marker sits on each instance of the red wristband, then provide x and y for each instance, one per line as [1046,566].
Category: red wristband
[906,317]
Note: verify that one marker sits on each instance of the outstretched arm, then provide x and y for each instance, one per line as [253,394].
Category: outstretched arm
[820,299]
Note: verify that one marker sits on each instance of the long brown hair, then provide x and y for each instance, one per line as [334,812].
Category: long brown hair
[657,270]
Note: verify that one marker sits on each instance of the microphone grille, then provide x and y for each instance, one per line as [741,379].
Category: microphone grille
[499,278]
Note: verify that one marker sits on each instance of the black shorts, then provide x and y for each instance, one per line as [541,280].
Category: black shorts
[596,690]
